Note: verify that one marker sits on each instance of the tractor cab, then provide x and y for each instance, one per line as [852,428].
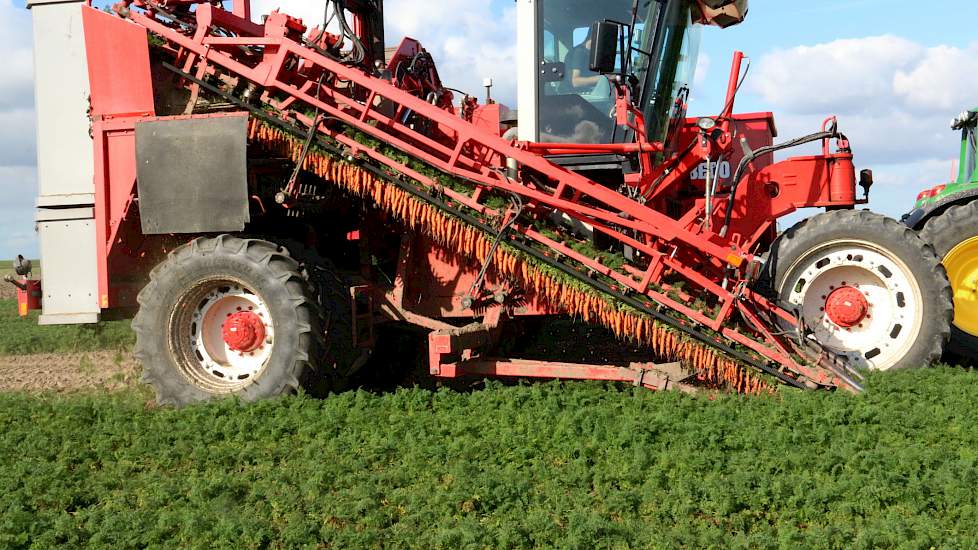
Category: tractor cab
[562,100]
[938,197]
[967,123]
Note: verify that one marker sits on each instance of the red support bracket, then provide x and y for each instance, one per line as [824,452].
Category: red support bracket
[450,355]
[646,375]
[456,344]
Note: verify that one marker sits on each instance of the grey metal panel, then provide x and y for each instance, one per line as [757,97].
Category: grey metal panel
[61,214]
[69,270]
[65,166]
[192,175]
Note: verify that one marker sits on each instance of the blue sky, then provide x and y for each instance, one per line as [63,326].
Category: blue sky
[895,76]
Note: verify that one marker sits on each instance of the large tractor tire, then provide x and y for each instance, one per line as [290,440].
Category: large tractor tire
[954,235]
[228,316]
[867,286]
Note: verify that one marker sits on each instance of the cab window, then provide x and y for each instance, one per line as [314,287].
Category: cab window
[575,105]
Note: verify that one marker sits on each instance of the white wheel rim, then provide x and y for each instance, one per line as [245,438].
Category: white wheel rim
[894,318]
[197,332]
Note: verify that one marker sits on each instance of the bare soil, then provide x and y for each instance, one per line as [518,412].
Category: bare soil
[7,290]
[68,373]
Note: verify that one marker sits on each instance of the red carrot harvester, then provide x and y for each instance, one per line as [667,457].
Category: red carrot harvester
[260,195]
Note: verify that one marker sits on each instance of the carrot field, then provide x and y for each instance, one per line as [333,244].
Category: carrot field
[549,465]
[576,465]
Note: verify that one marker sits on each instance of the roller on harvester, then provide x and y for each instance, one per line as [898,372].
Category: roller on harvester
[266,193]
[947,217]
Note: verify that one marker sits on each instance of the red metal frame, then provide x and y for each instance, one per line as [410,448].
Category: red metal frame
[641,375]
[272,57]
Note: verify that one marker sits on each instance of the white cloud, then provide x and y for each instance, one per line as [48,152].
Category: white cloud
[17,173]
[943,81]
[18,187]
[16,86]
[17,141]
[877,74]
[468,40]
[844,76]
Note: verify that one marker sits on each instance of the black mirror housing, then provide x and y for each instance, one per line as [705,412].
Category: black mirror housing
[604,46]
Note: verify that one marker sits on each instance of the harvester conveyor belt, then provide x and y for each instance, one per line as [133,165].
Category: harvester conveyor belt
[685,328]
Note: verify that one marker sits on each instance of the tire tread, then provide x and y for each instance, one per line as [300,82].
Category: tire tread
[157,371]
[794,242]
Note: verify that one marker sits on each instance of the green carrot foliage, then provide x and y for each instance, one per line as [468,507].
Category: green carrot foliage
[577,465]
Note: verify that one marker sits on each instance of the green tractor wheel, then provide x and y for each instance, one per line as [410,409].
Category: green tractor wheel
[954,235]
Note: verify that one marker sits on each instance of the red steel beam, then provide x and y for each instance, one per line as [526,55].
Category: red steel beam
[638,375]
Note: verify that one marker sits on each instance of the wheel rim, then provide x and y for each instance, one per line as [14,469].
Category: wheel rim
[222,335]
[961,264]
[859,300]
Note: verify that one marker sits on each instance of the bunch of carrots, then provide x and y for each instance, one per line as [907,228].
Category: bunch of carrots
[453,234]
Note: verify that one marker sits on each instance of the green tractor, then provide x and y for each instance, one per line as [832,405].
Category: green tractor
[947,217]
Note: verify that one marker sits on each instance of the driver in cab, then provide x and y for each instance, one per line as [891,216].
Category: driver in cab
[582,79]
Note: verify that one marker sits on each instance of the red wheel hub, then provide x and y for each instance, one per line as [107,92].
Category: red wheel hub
[846,307]
[244,331]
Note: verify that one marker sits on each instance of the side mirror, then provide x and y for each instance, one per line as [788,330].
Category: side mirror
[605,38]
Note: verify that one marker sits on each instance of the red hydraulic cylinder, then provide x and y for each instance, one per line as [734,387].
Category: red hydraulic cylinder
[842,185]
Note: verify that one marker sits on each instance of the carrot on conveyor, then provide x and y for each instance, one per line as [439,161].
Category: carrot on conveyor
[449,233]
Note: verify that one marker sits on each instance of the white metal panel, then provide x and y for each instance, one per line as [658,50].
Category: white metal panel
[65,166]
[61,214]
[528,83]
[70,271]
[69,319]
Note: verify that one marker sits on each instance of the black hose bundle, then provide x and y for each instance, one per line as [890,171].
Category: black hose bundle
[754,155]
[336,10]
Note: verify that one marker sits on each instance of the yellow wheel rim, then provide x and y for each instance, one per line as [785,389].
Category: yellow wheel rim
[962,269]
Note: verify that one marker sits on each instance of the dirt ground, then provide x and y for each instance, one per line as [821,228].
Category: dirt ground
[65,373]
[7,290]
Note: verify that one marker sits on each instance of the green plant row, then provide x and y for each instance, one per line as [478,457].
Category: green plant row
[554,465]
[24,336]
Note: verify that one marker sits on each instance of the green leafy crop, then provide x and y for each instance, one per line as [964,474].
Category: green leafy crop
[24,336]
[578,465]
